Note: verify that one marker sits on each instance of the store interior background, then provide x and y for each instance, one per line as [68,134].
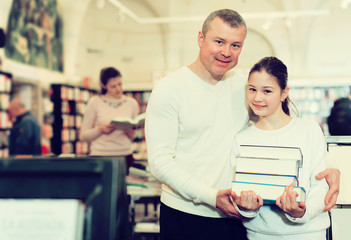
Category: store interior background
[146,39]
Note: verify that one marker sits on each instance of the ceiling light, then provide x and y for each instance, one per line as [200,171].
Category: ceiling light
[121,16]
[272,15]
[344,3]
[288,22]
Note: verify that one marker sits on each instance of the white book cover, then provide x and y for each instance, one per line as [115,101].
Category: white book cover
[267,166]
[274,152]
[127,123]
[268,192]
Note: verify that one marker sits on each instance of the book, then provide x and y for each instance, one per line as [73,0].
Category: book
[268,192]
[265,178]
[266,170]
[272,152]
[147,227]
[127,123]
[271,166]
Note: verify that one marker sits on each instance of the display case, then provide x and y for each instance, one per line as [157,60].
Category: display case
[97,182]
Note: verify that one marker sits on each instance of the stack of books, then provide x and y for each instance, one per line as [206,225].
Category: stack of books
[266,170]
[140,181]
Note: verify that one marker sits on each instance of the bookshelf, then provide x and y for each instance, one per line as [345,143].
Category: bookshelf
[142,97]
[144,199]
[69,104]
[316,101]
[5,123]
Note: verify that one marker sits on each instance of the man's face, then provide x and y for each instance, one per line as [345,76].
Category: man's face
[221,47]
[11,110]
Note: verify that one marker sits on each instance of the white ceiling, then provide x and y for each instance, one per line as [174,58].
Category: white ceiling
[159,11]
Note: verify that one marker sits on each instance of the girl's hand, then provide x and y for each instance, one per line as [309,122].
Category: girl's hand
[248,200]
[107,128]
[287,202]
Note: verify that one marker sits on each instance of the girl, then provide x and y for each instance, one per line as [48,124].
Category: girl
[267,97]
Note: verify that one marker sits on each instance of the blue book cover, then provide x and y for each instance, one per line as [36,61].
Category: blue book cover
[268,192]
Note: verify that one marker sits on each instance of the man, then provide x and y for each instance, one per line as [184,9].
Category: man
[192,117]
[24,138]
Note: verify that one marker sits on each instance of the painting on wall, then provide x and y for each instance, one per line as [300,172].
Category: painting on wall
[34,34]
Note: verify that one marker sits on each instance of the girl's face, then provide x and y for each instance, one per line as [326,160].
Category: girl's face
[264,95]
[114,87]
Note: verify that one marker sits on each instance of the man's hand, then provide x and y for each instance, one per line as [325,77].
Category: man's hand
[225,203]
[332,176]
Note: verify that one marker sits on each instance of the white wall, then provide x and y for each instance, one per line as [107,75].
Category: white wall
[136,50]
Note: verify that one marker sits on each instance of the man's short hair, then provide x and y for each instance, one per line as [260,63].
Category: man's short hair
[229,16]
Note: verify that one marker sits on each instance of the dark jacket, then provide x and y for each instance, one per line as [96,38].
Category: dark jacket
[24,138]
[339,120]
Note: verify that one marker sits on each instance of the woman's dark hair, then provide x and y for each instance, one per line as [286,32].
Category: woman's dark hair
[106,74]
[276,68]
[339,120]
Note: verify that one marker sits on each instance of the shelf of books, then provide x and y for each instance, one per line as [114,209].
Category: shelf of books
[5,123]
[142,97]
[143,190]
[316,101]
[69,106]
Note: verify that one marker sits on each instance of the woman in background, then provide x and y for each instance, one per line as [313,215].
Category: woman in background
[105,138]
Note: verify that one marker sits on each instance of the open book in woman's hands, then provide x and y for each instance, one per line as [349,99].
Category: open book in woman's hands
[123,123]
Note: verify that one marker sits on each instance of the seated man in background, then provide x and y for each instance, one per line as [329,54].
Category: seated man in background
[24,136]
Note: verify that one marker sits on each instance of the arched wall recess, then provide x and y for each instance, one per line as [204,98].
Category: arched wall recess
[256,47]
